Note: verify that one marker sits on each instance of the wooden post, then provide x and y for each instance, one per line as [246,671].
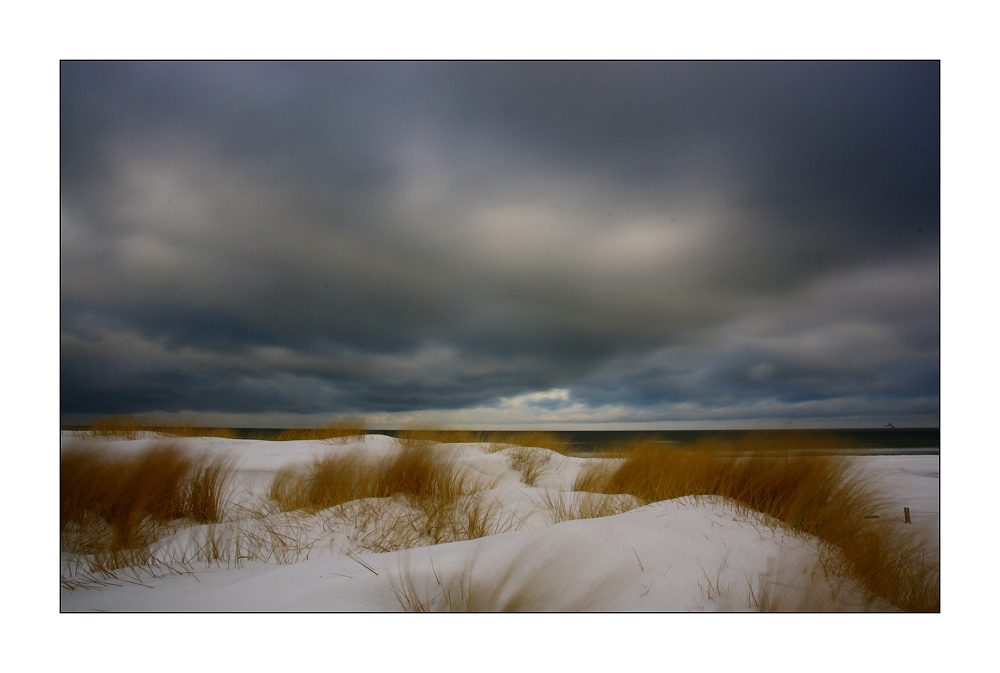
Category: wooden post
[906,514]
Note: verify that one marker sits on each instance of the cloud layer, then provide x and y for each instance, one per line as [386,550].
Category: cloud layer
[502,243]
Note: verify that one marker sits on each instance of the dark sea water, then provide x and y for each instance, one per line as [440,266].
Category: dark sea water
[858,441]
[863,441]
[899,441]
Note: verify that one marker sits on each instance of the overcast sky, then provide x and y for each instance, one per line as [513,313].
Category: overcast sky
[589,245]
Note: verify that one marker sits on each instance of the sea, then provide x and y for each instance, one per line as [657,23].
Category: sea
[840,441]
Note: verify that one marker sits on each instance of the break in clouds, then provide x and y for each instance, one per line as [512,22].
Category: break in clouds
[711,244]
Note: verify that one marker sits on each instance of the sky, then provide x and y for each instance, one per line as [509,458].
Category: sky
[563,245]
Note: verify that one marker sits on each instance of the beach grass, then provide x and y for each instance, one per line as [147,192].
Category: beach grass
[423,435]
[571,506]
[416,471]
[528,439]
[117,505]
[196,431]
[414,497]
[464,591]
[530,462]
[814,494]
[119,426]
[113,506]
[341,431]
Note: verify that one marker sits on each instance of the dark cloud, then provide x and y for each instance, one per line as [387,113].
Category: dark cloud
[388,237]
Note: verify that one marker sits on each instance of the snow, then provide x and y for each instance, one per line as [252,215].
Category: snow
[692,554]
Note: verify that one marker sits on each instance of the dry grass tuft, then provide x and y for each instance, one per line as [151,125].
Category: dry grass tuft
[587,505]
[118,426]
[206,490]
[422,436]
[340,432]
[476,519]
[111,503]
[533,439]
[413,498]
[808,492]
[595,475]
[194,431]
[416,472]
[124,427]
[530,462]
[329,481]
[432,520]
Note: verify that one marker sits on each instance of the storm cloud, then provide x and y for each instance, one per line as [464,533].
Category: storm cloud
[490,243]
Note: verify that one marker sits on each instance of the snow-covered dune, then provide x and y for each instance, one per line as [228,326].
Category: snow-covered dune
[685,554]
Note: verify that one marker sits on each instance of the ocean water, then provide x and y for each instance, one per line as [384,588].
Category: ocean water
[856,441]
[897,441]
[860,441]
